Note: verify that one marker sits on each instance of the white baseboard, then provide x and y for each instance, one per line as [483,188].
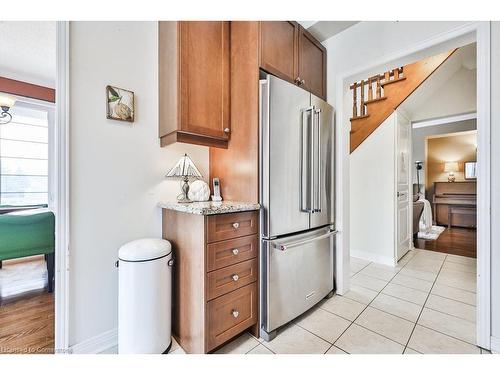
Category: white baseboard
[495,345]
[376,258]
[97,344]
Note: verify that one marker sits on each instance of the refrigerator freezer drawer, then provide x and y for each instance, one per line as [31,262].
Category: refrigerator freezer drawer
[298,274]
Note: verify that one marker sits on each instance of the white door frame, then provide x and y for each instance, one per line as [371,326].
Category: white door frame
[61,188]
[482,36]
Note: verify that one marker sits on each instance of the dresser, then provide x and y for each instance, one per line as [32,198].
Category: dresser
[215,277]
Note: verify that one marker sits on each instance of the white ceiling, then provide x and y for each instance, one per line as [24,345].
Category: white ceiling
[462,61]
[28,51]
[322,30]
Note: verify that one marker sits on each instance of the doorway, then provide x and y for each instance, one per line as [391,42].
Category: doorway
[481,34]
[33,217]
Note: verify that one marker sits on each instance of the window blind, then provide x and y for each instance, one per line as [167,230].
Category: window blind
[24,156]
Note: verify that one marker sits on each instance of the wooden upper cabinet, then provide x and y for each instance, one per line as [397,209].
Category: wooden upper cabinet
[312,64]
[290,52]
[194,82]
[278,48]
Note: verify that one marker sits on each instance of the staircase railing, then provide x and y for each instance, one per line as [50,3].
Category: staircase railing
[371,90]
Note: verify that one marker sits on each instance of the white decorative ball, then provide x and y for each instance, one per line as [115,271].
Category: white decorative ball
[199,191]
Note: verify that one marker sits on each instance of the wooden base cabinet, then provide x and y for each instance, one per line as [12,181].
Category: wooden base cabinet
[216,276]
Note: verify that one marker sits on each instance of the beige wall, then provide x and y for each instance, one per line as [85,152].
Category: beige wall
[460,147]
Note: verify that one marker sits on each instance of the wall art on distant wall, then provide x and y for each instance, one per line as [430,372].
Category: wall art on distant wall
[120,104]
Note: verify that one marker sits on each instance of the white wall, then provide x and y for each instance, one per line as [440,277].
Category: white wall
[455,97]
[372,219]
[116,168]
[495,182]
[368,43]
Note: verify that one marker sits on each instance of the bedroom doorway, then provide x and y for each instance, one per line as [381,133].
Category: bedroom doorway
[450,188]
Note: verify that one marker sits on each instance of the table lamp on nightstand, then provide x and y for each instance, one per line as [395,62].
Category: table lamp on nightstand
[184,169]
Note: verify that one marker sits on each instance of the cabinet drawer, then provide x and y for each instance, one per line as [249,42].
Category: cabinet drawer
[231,278]
[231,314]
[226,226]
[225,253]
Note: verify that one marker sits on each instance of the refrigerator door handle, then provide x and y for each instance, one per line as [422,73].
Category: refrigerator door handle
[312,173]
[317,207]
[287,246]
[305,199]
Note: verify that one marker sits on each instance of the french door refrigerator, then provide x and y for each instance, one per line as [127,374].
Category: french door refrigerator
[297,198]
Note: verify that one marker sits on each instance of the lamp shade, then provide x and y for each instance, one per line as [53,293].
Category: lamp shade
[184,168]
[451,166]
[6,101]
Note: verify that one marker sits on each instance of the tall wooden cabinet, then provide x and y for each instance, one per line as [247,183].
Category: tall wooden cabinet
[194,82]
[290,52]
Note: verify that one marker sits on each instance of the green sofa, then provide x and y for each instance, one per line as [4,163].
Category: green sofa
[27,233]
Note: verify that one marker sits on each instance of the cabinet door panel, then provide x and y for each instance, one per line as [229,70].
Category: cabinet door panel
[278,48]
[312,64]
[205,78]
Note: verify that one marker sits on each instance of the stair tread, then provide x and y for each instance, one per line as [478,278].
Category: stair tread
[392,81]
[359,117]
[375,100]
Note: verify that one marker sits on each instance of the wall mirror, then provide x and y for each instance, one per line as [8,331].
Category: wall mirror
[470,170]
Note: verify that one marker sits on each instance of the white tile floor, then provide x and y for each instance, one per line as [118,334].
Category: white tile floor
[424,305]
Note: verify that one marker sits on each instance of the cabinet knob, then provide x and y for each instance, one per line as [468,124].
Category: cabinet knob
[227,130]
[235,251]
[297,81]
[235,277]
[236,225]
[235,313]
[302,82]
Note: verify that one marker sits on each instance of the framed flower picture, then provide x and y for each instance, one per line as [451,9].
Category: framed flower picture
[120,104]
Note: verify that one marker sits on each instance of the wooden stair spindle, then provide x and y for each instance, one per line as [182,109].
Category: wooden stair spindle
[379,88]
[396,73]
[354,87]
[362,103]
[370,89]
[387,76]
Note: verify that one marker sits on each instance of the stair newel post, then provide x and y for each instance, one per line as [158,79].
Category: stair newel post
[370,89]
[379,88]
[362,103]
[354,88]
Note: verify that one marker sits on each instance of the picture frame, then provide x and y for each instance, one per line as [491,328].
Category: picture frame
[470,170]
[120,104]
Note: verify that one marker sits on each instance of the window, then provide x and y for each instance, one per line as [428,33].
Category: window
[24,155]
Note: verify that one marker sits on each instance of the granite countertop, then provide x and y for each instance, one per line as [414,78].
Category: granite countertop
[210,207]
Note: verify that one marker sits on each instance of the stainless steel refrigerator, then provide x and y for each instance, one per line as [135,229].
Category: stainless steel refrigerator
[297,197]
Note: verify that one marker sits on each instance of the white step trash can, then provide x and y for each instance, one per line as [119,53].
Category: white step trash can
[144,296]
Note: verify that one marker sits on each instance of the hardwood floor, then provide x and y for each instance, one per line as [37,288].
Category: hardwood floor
[458,241]
[26,316]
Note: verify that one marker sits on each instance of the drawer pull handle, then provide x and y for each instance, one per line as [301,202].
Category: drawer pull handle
[236,225]
[235,277]
[235,313]
[235,251]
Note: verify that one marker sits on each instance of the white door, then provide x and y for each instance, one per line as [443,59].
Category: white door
[403,201]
